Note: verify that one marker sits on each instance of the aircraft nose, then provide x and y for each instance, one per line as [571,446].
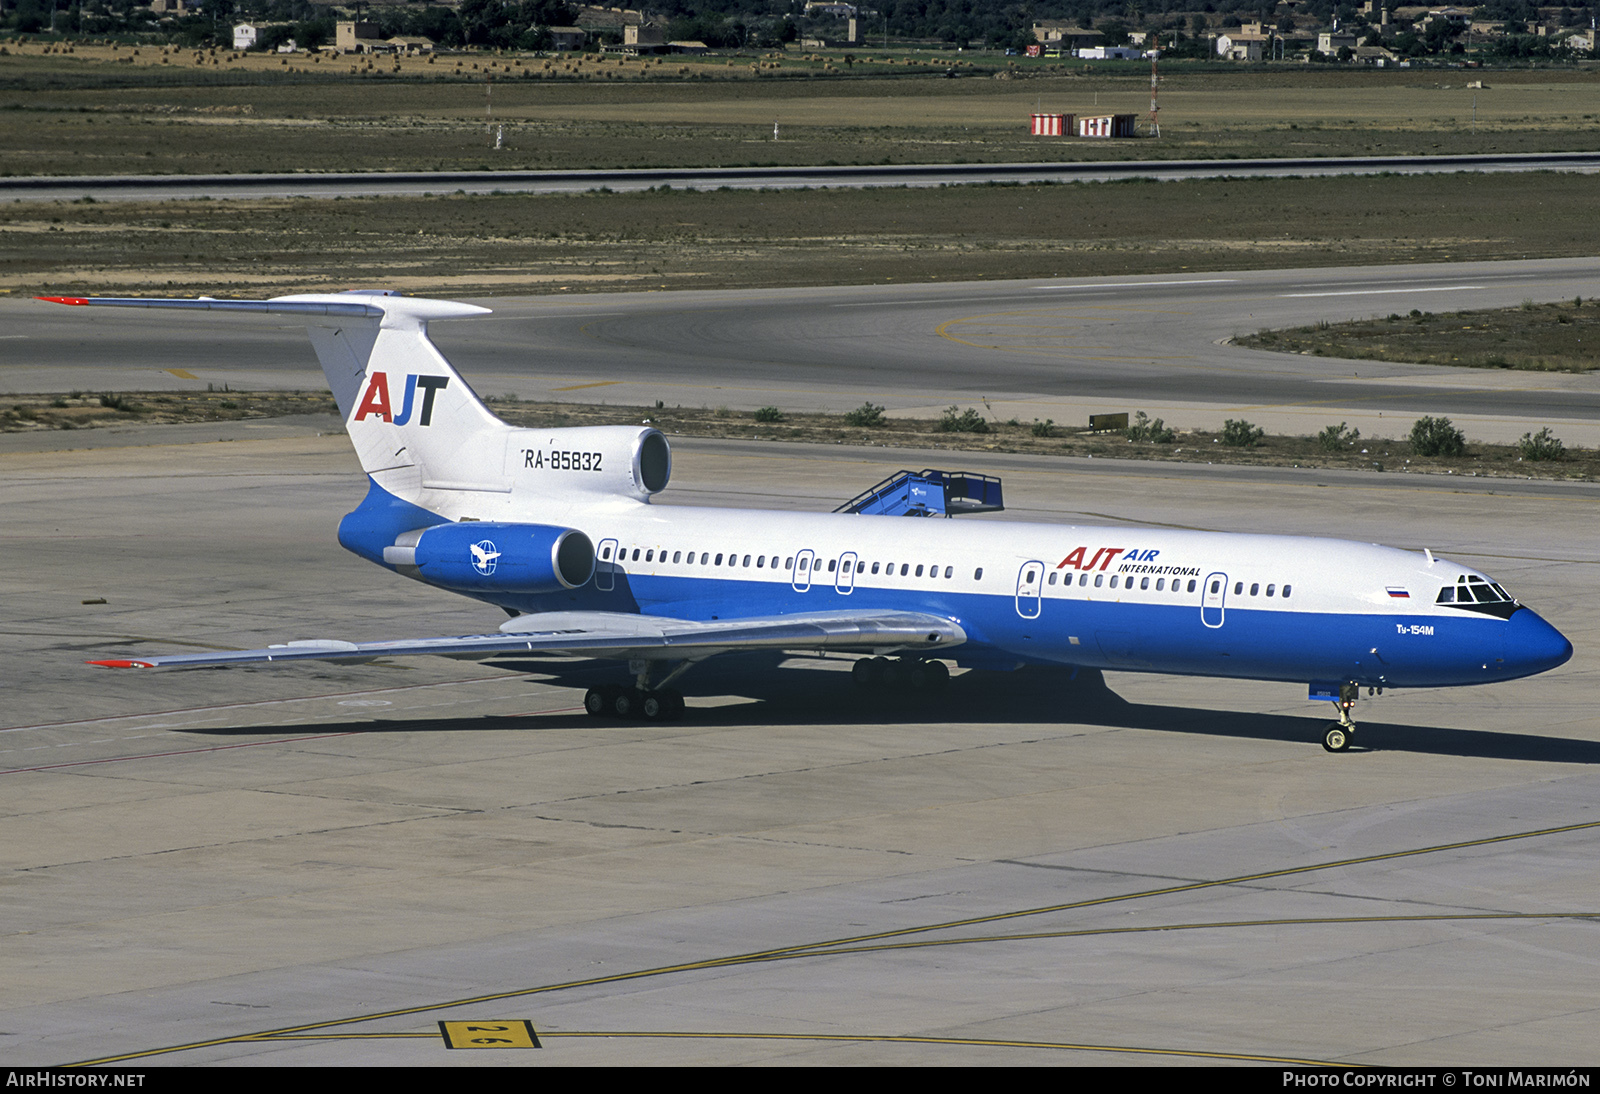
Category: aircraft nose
[1532,645]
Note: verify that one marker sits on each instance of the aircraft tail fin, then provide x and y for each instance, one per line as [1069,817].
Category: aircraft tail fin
[413,420]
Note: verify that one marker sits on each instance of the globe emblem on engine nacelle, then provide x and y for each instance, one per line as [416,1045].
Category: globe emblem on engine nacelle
[484,556]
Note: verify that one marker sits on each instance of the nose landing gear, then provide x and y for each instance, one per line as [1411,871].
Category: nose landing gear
[1337,737]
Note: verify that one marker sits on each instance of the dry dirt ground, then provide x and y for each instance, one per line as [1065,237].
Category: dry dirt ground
[961,429]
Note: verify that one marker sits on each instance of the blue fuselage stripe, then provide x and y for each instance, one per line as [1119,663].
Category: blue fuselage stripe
[1393,650]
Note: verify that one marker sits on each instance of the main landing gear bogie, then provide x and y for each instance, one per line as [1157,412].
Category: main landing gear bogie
[900,673]
[651,704]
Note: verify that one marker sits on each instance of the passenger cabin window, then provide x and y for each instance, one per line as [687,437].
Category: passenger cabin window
[1238,587]
[1255,588]
[1286,589]
[1270,588]
[948,570]
[636,554]
[874,567]
[977,575]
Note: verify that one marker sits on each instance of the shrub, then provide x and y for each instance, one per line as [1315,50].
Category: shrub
[1542,445]
[956,420]
[865,414]
[1437,437]
[1144,429]
[769,414]
[121,403]
[1046,428]
[1241,434]
[1335,437]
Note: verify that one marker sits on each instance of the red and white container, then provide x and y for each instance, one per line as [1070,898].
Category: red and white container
[1052,125]
[1106,125]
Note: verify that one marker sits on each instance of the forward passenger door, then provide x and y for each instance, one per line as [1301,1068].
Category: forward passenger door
[1029,580]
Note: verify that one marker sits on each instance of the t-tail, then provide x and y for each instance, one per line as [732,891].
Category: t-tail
[434,454]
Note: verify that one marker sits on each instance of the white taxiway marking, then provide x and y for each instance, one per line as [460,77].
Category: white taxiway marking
[1137,284]
[1381,292]
[1002,296]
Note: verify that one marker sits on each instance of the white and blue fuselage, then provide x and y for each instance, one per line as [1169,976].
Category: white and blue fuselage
[556,526]
[1293,608]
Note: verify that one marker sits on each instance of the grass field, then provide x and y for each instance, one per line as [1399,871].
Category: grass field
[462,245]
[1559,337]
[88,410]
[87,113]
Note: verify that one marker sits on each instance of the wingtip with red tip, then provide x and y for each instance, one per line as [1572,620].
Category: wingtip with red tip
[122,664]
[75,301]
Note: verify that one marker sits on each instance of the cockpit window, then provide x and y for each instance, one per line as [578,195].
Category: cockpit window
[1468,590]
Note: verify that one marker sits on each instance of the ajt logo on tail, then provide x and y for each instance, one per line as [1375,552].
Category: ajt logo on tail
[376,398]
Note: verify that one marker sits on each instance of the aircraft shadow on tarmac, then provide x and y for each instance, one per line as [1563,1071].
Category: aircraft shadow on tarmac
[794,696]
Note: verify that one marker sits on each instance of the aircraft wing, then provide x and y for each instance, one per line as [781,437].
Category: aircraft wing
[614,635]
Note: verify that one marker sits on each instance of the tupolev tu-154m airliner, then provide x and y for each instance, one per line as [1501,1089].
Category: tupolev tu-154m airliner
[555,526]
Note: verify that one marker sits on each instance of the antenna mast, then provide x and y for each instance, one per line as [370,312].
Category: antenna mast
[1155,108]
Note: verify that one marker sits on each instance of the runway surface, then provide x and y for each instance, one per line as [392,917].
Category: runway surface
[318,864]
[354,184]
[1060,349]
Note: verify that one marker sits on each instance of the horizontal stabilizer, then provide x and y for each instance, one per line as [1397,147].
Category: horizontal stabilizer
[363,304]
